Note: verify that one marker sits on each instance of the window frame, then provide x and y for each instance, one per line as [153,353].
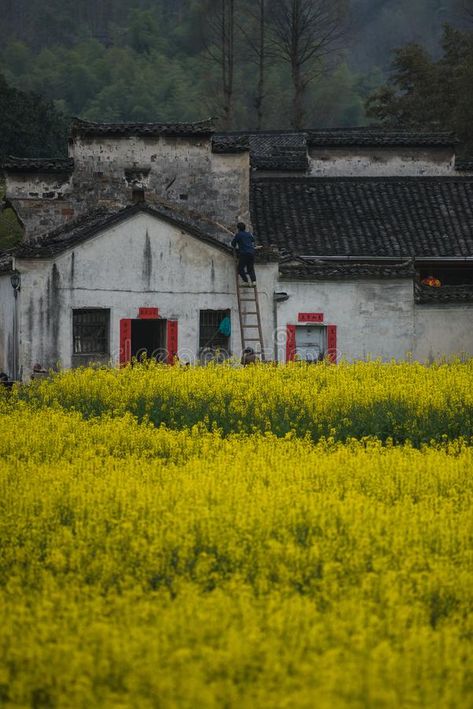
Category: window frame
[95,352]
[211,344]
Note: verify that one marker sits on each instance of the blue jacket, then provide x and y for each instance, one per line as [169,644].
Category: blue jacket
[244,242]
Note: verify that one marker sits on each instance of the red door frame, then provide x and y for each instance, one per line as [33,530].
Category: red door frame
[311,317]
[172,341]
[172,335]
[125,341]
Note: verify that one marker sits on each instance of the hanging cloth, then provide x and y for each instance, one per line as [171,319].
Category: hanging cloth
[225,327]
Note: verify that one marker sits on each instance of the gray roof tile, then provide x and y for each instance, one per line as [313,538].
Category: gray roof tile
[344,271]
[89,128]
[385,217]
[81,229]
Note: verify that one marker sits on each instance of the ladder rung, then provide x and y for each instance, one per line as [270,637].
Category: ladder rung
[252,339]
[252,327]
[247,300]
[249,312]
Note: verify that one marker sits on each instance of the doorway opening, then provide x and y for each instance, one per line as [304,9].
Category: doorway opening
[311,342]
[148,340]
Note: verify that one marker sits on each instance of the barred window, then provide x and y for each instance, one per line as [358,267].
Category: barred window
[91,331]
[213,332]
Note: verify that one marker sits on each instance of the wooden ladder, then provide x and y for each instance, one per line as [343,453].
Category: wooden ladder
[250,317]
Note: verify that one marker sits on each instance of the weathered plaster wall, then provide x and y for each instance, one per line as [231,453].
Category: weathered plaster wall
[183,171]
[142,262]
[41,201]
[7,304]
[443,331]
[373,318]
[180,170]
[381,162]
[145,262]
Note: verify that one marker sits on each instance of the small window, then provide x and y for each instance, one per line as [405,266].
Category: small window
[214,333]
[91,331]
[138,195]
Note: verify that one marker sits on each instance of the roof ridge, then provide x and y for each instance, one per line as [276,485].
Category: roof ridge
[86,226]
[363,178]
[81,126]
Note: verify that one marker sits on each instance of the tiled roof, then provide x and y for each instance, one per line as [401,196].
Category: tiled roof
[372,137]
[386,217]
[52,165]
[277,150]
[463,165]
[230,142]
[443,296]
[319,270]
[287,150]
[88,128]
[79,230]
[284,152]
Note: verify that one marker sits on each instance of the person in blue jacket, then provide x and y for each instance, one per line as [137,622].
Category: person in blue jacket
[244,243]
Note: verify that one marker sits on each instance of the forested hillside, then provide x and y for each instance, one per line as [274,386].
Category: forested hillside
[166,60]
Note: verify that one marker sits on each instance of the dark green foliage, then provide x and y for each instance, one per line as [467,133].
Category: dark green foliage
[29,125]
[430,94]
[146,60]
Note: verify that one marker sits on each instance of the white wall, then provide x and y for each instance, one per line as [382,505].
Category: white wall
[7,303]
[146,262]
[142,262]
[373,318]
[443,331]
[381,162]
[217,185]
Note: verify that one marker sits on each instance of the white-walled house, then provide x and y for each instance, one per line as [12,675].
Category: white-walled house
[126,246]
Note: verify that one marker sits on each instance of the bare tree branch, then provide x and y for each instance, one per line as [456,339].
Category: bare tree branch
[219,44]
[257,40]
[304,33]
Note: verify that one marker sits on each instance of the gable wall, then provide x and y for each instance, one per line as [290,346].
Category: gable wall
[142,262]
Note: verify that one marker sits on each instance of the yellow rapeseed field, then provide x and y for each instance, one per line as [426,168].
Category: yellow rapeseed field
[214,537]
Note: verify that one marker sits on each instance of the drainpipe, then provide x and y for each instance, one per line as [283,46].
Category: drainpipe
[278,297]
[15,281]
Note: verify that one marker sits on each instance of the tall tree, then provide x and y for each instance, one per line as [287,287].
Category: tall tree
[256,36]
[427,94]
[220,47]
[30,126]
[304,34]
